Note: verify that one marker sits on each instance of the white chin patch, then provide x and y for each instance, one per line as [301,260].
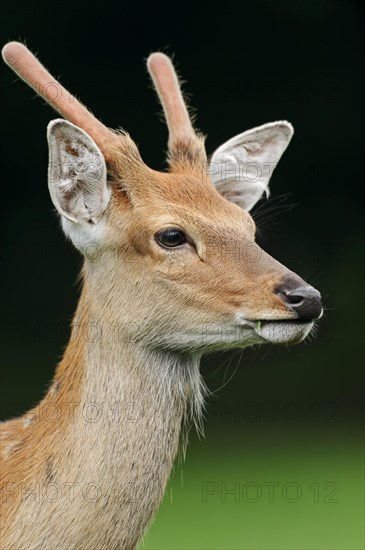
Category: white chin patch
[281,332]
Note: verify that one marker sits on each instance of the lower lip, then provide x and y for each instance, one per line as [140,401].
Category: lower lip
[284,331]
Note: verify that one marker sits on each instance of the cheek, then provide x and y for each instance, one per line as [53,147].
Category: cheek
[200,286]
[177,266]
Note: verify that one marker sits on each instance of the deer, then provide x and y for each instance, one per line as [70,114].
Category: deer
[171,271]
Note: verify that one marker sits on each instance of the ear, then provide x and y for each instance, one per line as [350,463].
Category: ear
[77,176]
[241,168]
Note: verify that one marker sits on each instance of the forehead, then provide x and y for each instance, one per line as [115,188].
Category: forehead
[189,199]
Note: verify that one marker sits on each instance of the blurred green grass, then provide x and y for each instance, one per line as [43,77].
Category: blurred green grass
[321,508]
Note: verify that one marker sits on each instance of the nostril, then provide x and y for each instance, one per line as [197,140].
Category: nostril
[294,299]
[305,301]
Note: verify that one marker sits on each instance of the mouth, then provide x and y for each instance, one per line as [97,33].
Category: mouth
[290,331]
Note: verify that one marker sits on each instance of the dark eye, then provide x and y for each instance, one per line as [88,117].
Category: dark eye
[170,237]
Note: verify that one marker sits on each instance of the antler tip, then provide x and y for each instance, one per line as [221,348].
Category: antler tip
[11,50]
[158,60]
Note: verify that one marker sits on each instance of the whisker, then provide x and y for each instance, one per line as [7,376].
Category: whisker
[270,209]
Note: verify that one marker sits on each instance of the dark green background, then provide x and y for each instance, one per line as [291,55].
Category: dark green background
[245,64]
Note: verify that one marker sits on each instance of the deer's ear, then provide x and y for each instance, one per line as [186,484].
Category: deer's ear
[241,168]
[77,177]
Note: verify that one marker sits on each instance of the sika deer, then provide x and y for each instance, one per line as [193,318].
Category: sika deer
[171,271]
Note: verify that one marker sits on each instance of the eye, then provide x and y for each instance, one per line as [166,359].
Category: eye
[171,237]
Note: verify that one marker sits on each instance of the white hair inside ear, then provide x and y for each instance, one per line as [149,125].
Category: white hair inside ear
[77,175]
[241,168]
[77,181]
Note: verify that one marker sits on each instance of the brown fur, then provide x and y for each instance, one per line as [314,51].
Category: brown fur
[134,285]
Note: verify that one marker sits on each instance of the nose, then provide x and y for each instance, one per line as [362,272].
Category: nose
[304,300]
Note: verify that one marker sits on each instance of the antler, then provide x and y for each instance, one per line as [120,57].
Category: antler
[185,146]
[167,85]
[181,131]
[29,69]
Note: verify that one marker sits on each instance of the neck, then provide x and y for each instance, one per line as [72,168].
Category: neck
[122,406]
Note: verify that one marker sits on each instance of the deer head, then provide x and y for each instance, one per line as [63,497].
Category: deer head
[171,256]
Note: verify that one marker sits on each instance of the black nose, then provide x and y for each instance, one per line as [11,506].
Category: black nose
[304,300]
